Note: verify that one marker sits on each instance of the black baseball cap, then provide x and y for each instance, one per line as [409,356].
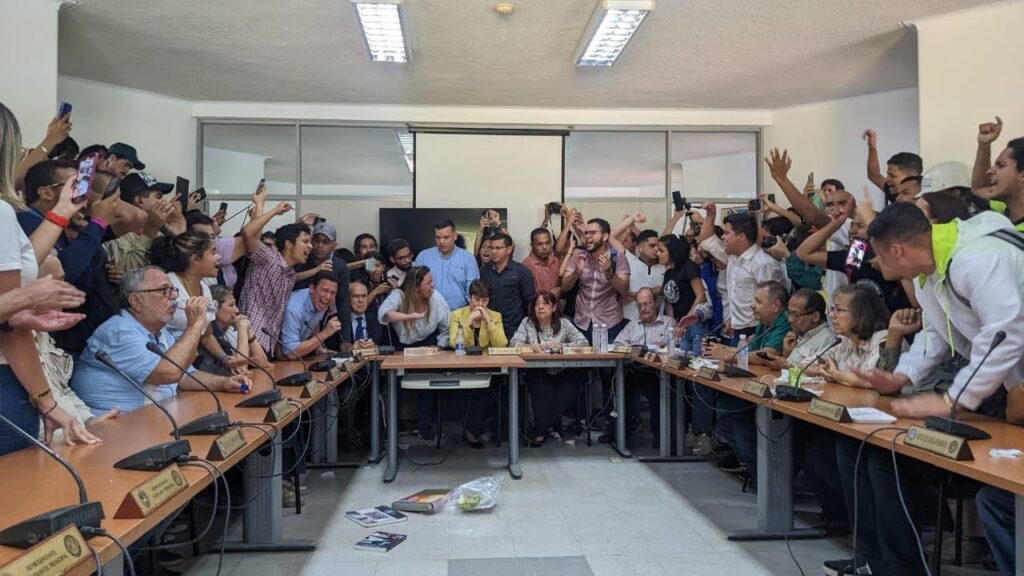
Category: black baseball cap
[138,182]
[122,150]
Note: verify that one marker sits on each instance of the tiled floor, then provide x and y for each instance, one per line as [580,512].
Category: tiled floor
[577,512]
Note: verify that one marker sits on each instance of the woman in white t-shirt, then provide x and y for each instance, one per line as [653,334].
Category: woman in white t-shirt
[24,392]
[189,258]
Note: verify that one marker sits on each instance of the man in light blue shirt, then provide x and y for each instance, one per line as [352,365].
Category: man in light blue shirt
[306,309]
[149,300]
[452,267]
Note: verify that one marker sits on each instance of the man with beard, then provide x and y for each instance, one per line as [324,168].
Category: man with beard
[149,303]
[325,258]
[270,277]
[400,255]
[603,276]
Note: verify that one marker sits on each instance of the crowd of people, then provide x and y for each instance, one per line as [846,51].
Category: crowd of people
[915,292]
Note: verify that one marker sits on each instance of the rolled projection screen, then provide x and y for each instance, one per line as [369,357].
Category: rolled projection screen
[520,172]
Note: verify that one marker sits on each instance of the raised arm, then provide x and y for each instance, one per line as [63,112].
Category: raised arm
[677,215]
[874,168]
[251,231]
[988,132]
[622,228]
[779,164]
[776,209]
[707,227]
[812,250]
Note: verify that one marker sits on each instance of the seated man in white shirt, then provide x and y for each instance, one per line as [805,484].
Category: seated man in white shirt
[810,332]
[650,330]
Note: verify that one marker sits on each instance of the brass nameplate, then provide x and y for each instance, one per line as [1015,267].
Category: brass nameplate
[708,373]
[505,351]
[652,357]
[637,350]
[145,498]
[422,351]
[312,388]
[278,411]
[828,410]
[675,363]
[579,350]
[56,555]
[227,444]
[334,374]
[363,352]
[759,389]
[621,348]
[938,443]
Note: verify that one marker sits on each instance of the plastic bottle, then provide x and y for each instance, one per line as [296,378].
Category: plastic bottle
[460,341]
[743,356]
[602,338]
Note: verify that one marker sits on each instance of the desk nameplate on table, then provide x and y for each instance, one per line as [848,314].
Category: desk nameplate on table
[226,444]
[363,352]
[145,498]
[312,388]
[505,351]
[56,555]
[674,363]
[278,411]
[708,373]
[759,389]
[829,410]
[939,443]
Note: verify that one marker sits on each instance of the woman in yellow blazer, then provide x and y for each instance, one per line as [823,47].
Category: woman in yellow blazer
[480,327]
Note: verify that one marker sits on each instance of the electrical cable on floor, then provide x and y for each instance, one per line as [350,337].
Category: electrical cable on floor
[906,512]
[793,556]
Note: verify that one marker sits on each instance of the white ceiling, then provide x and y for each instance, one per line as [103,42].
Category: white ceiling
[688,53]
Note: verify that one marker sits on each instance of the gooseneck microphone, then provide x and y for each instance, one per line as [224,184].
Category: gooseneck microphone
[295,379]
[950,425]
[211,424]
[796,393]
[321,365]
[30,532]
[263,399]
[155,457]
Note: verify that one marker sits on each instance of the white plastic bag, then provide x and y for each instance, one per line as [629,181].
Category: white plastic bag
[478,494]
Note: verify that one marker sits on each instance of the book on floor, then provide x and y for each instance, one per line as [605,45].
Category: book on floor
[422,501]
[380,542]
[378,516]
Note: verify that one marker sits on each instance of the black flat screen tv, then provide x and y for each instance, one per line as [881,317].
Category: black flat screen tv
[416,225]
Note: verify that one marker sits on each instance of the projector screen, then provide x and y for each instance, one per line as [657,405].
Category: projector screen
[520,172]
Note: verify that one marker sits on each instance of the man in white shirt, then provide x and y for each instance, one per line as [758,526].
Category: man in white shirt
[748,265]
[644,270]
[810,335]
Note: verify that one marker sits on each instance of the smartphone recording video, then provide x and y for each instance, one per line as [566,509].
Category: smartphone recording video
[83,182]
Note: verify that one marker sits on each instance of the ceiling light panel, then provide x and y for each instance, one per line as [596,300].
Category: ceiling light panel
[383,29]
[611,27]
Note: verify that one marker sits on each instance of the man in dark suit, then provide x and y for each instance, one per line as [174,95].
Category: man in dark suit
[367,331]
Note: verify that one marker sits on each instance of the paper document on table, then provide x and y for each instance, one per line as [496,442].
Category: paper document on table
[869,415]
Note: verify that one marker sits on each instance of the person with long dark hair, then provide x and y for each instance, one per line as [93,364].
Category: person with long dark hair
[551,390]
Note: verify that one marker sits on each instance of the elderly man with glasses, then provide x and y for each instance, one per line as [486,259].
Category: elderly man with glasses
[148,302]
[810,333]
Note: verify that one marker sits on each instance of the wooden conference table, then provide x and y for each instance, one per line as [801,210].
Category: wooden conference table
[32,483]
[775,461]
[447,361]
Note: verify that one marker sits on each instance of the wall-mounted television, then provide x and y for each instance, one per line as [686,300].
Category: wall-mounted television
[416,225]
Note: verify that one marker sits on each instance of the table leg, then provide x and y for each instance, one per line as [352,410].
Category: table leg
[620,409]
[325,438]
[375,454]
[114,567]
[775,482]
[392,469]
[318,433]
[514,469]
[1018,533]
[665,432]
[261,520]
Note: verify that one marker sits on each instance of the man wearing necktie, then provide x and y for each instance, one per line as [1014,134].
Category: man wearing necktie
[367,331]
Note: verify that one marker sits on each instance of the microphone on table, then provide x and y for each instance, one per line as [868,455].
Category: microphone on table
[950,425]
[295,379]
[796,393]
[30,532]
[156,457]
[211,424]
[327,363]
[735,371]
[263,399]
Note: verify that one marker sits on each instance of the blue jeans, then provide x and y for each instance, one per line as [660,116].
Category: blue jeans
[996,510]
[15,406]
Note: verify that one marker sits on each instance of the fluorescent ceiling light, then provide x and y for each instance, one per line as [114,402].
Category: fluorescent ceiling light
[405,140]
[610,28]
[383,32]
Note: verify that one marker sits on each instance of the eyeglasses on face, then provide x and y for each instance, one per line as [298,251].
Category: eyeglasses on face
[837,310]
[791,314]
[169,292]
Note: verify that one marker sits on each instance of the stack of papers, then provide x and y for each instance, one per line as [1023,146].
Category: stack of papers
[870,415]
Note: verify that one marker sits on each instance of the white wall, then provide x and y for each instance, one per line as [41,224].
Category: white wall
[968,74]
[729,176]
[160,128]
[826,138]
[352,216]
[28,64]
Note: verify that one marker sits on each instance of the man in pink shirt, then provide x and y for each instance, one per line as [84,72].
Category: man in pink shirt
[603,277]
[543,262]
